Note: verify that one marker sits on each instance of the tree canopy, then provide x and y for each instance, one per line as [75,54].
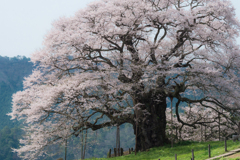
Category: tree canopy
[121,60]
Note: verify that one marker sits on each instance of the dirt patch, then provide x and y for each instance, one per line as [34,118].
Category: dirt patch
[236,155]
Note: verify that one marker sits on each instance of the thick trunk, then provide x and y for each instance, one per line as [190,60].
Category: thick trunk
[151,128]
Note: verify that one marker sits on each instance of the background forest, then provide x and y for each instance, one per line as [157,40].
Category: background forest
[12,72]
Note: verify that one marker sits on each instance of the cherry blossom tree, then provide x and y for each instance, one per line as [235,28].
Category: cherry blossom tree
[114,58]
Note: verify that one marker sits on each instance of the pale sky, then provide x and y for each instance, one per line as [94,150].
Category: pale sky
[24,23]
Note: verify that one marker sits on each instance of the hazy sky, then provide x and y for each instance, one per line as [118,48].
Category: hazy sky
[23,23]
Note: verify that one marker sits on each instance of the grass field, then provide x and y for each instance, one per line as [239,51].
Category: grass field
[183,151]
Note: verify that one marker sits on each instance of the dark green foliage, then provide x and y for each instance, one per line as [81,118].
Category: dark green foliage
[12,72]
[9,138]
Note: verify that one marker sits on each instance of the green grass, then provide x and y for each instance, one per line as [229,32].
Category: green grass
[183,151]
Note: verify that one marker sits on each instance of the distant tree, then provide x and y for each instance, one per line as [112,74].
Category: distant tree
[116,56]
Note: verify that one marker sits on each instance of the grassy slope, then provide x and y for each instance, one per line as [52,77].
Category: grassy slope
[183,151]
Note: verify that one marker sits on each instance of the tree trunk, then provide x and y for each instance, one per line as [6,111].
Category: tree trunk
[151,128]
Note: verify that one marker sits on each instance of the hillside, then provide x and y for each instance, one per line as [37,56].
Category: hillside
[12,72]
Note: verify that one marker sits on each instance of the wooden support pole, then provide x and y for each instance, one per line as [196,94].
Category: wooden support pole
[82,146]
[192,154]
[115,152]
[136,111]
[121,151]
[85,144]
[66,149]
[219,131]
[205,133]
[118,128]
[238,128]
[171,124]
[209,150]
[118,140]
[175,156]
[176,134]
[225,143]
[109,153]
